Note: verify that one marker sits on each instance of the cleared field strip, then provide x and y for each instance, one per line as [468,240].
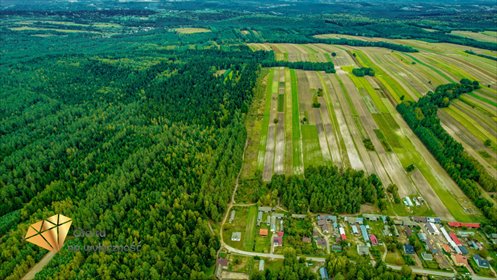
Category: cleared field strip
[288,124]
[487,36]
[310,138]
[298,160]
[265,121]
[271,135]
[351,151]
[314,84]
[336,147]
[463,136]
[279,157]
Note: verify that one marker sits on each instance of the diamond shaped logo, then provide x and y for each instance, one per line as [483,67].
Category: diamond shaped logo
[49,233]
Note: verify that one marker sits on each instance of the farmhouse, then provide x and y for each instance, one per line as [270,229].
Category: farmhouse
[261,265]
[321,242]
[371,217]
[323,273]
[459,260]
[420,219]
[463,249]
[362,250]
[336,248]
[467,225]
[408,249]
[278,241]
[299,216]
[265,209]
[422,236]
[432,228]
[481,262]
[342,233]
[364,232]
[354,229]
[263,232]
[386,231]
[236,236]
[222,263]
[427,256]
[259,218]
[374,240]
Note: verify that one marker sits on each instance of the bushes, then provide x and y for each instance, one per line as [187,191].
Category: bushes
[363,71]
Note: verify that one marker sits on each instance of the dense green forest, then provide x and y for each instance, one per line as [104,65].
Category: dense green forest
[422,117]
[143,147]
[328,189]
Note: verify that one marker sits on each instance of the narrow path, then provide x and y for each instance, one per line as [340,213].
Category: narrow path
[39,266]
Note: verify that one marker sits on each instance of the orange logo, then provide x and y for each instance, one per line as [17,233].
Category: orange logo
[50,233]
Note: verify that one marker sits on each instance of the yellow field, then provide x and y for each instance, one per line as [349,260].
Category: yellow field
[487,36]
[191,30]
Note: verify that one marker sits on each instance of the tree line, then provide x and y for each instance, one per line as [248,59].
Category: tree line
[422,117]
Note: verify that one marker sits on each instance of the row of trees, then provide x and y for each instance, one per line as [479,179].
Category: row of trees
[422,117]
[363,71]
[328,189]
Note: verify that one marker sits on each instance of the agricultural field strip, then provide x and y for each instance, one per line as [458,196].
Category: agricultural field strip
[265,121]
[289,145]
[383,162]
[270,142]
[439,180]
[336,147]
[484,121]
[352,153]
[376,63]
[279,165]
[311,145]
[473,126]
[452,127]
[314,84]
[298,157]
[480,36]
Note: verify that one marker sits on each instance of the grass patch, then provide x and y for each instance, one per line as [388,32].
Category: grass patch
[312,150]
[481,98]
[265,121]
[383,140]
[281,102]
[298,163]
[244,222]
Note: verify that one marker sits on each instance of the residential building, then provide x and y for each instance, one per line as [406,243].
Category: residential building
[236,236]
[362,250]
[481,262]
[323,273]
[261,265]
[426,256]
[278,241]
[409,249]
[263,232]
[374,240]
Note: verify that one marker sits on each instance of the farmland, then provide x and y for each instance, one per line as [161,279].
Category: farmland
[353,110]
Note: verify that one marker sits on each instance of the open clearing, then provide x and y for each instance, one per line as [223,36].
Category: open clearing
[354,109]
[191,30]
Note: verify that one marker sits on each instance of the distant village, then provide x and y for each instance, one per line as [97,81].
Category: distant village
[421,242]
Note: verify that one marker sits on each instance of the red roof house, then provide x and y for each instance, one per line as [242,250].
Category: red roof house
[455,239]
[374,240]
[468,225]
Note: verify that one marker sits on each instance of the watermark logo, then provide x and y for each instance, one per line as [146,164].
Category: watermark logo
[49,233]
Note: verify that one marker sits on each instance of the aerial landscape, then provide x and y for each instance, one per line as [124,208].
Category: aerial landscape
[278,139]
